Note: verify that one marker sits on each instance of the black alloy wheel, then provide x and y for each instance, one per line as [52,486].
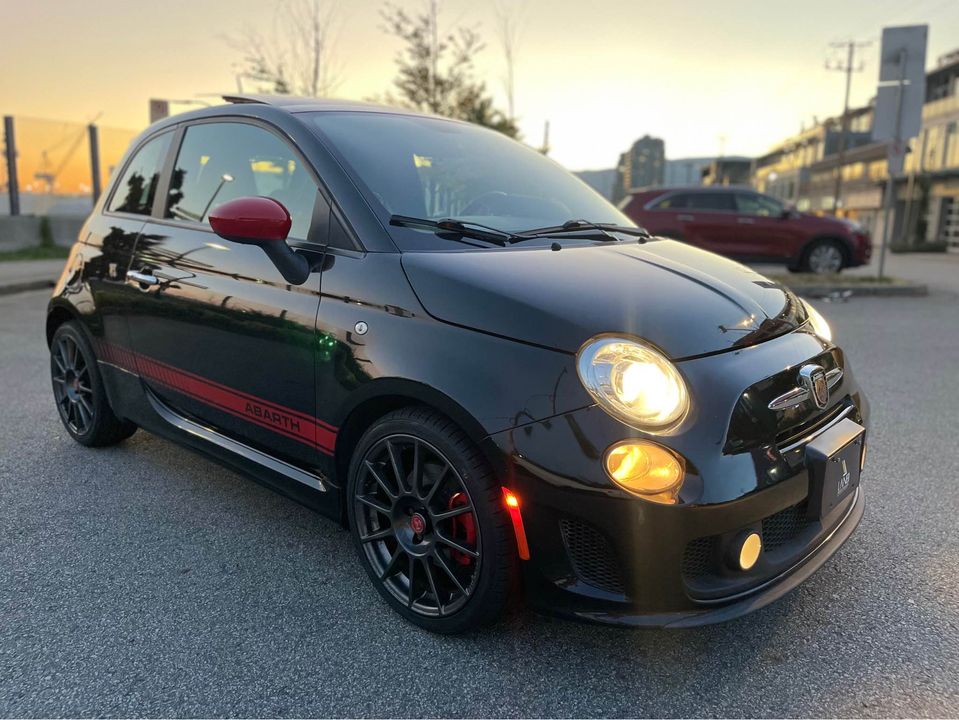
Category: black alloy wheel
[78,391]
[72,386]
[428,522]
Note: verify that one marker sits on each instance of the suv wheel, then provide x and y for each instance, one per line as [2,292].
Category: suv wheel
[79,393]
[824,257]
[427,519]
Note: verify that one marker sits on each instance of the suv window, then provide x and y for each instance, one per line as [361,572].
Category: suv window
[677,201]
[754,204]
[137,186]
[720,201]
[218,162]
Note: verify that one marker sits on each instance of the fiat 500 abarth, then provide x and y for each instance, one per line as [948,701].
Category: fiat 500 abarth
[441,339]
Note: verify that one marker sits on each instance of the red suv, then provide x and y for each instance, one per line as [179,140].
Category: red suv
[743,224]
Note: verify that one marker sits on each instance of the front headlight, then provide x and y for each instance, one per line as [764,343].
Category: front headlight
[633,382]
[818,322]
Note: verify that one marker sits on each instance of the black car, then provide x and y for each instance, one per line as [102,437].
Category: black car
[438,337]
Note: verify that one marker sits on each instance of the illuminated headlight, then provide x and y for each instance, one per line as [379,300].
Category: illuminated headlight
[633,382]
[818,322]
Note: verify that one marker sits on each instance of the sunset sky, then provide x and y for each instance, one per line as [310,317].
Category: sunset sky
[602,72]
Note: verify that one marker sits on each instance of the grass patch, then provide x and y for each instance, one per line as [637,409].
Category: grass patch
[840,280]
[43,252]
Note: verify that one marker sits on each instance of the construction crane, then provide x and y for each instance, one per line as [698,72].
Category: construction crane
[49,176]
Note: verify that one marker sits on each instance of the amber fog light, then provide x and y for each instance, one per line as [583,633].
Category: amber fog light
[749,545]
[646,469]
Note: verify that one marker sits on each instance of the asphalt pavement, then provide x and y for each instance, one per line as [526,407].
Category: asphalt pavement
[146,580]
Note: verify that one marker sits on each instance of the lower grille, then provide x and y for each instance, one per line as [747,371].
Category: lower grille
[701,557]
[592,556]
[781,528]
[698,559]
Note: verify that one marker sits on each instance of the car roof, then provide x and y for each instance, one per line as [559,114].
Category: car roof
[694,189]
[297,103]
[266,106]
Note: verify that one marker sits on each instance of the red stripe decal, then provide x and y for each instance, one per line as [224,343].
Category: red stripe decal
[284,421]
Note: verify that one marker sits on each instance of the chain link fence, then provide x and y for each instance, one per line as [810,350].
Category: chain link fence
[56,168]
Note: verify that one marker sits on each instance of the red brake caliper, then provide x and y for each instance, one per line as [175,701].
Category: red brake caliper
[464,529]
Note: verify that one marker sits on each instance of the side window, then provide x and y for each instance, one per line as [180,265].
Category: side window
[753,204]
[672,202]
[137,186]
[218,162]
[713,201]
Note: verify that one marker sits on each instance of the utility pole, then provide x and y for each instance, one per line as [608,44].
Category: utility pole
[849,68]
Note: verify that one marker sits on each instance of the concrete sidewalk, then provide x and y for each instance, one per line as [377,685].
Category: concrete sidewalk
[22,275]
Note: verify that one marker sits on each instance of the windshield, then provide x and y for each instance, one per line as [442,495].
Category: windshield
[436,169]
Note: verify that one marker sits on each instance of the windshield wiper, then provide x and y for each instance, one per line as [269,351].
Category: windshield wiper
[466,228]
[571,226]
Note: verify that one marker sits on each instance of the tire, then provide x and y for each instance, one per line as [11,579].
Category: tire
[824,257]
[407,523]
[79,393]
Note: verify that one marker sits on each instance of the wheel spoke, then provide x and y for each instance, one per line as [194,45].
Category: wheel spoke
[377,535]
[397,472]
[84,414]
[456,546]
[459,510]
[60,359]
[415,479]
[74,353]
[436,486]
[432,581]
[58,379]
[391,566]
[366,500]
[379,481]
[452,576]
[85,404]
[412,573]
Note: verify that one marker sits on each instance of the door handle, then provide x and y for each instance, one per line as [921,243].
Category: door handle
[746,221]
[685,218]
[143,278]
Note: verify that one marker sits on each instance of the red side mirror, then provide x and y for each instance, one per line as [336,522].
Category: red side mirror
[251,220]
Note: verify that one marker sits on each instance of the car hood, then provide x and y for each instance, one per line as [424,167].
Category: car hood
[686,301]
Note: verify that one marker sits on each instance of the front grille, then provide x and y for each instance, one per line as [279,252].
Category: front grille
[810,427]
[592,556]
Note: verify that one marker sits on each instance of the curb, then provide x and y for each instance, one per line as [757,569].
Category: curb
[19,287]
[863,290]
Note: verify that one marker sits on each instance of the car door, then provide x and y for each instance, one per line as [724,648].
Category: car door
[764,231]
[111,236]
[709,221]
[219,335]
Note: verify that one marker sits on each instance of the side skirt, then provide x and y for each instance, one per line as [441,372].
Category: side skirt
[247,453]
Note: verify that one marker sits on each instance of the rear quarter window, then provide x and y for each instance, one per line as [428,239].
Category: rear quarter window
[136,188]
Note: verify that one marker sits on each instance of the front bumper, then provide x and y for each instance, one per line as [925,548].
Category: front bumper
[597,553]
[543,597]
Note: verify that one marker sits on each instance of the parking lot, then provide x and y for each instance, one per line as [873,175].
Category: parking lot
[146,580]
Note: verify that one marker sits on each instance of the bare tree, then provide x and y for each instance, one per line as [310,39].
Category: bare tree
[509,19]
[437,75]
[297,55]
